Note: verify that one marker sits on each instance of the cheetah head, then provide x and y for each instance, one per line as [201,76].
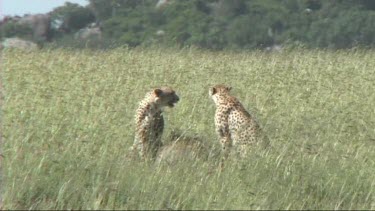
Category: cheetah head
[220,88]
[219,92]
[165,96]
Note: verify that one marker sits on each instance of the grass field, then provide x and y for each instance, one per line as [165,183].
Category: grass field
[67,122]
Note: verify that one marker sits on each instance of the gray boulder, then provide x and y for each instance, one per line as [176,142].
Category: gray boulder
[40,23]
[19,44]
[90,32]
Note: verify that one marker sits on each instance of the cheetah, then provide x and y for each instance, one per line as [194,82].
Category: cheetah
[149,121]
[234,125]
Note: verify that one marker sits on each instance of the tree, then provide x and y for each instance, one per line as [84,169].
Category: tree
[71,17]
[13,29]
[221,24]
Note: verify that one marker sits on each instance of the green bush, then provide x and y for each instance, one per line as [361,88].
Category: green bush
[12,29]
[223,24]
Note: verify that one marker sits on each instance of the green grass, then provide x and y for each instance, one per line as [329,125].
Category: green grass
[67,121]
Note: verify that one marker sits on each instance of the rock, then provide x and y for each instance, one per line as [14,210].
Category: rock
[19,44]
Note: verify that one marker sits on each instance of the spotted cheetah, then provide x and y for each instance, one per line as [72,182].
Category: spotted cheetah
[234,125]
[150,122]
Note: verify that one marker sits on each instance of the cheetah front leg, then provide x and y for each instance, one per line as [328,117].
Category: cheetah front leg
[142,144]
[141,133]
[158,132]
[226,145]
[222,130]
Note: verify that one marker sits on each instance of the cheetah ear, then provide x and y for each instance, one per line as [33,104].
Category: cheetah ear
[212,90]
[158,92]
[229,88]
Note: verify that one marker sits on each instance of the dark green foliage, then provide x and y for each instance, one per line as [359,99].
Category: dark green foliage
[72,16]
[13,29]
[239,24]
[368,4]
[224,24]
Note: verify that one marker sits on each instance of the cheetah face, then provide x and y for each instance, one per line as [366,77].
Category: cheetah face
[166,96]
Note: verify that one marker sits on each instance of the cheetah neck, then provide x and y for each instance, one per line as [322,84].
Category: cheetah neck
[221,100]
[154,107]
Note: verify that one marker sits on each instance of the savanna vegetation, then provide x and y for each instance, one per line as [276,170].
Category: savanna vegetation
[212,24]
[67,124]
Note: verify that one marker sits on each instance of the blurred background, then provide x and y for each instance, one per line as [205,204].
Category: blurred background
[210,24]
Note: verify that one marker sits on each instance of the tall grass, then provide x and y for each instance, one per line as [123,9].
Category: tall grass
[68,123]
